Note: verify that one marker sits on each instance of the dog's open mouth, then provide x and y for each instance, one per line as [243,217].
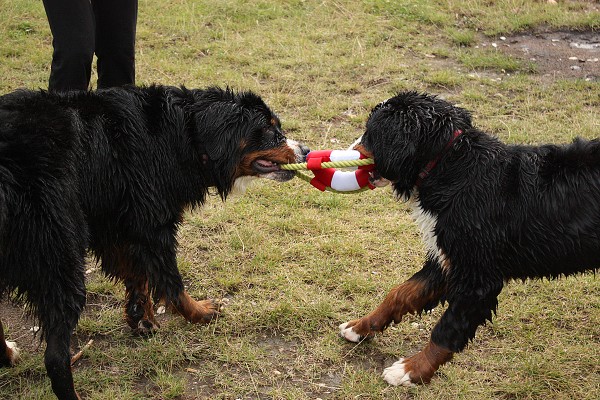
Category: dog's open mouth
[265,166]
[267,163]
[271,170]
[377,180]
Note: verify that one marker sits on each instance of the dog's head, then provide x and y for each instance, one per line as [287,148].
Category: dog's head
[240,137]
[407,131]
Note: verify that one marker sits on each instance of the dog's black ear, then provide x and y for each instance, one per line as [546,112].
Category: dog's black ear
[224,117]
[450,118]
[218,129]
[392,137]
[220,125]
[217,122]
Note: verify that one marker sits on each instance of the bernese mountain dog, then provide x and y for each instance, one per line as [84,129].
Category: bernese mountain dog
[488,212]
[111,172]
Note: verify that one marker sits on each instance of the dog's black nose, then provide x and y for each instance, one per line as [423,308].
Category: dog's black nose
[304,150]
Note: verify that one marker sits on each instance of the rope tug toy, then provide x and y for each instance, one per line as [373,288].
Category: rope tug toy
[323,164]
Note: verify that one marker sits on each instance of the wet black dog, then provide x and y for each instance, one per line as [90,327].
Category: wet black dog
[489,213]
[112,171]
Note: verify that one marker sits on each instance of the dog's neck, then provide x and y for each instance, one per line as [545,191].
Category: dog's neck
[431,164]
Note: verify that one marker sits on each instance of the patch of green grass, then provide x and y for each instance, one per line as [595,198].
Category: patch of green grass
[170,385]
[492,60]
[461,37]
[444,79]
[507,16]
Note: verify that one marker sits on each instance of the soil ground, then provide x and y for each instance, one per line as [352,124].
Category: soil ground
[555,54]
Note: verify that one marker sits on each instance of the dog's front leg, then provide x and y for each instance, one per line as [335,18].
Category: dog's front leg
[468,308]
[139,312]
[161,267]
[422,291]
[419,368]
[194,311]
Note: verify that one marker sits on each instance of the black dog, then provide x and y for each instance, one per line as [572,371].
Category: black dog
[489,213]
[112,171]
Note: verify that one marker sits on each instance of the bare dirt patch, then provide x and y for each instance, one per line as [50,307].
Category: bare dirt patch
[555,54]
[19,327]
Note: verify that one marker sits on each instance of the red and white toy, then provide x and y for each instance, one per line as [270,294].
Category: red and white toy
[341,181]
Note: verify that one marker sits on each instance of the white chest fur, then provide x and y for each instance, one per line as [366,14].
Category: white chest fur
[426,221]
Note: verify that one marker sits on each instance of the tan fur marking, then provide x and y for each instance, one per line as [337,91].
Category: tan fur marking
[409,297]
[148,321]
[360,148]
[281,155]
[7,355]
[196,311]
[422,366]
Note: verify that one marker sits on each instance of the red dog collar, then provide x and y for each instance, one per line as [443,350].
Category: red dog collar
[431,164]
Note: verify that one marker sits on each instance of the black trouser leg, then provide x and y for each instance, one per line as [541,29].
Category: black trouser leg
[72,26]
[115,41]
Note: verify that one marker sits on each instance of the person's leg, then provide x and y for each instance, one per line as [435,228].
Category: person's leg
[72,26]
[115,41]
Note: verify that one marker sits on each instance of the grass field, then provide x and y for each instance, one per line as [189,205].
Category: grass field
[294,262]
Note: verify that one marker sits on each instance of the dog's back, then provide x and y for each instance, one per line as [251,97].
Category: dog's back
[530,211]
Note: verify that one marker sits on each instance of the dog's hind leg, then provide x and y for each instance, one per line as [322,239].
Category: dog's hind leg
[466,311]
[64,299]
[48,241]
[9,352]
[423,291]
[58,364]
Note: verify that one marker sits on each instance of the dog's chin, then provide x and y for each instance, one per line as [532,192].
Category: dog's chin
[278,176]
[377,180]
[271,170]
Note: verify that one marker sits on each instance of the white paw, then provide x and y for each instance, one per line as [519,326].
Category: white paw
[14,357]
[396,374]
[349,334]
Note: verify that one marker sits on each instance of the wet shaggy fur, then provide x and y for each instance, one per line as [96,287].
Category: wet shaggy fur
[111,171]
[490,212]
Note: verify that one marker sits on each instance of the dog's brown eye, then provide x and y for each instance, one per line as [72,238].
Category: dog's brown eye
[275,122]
